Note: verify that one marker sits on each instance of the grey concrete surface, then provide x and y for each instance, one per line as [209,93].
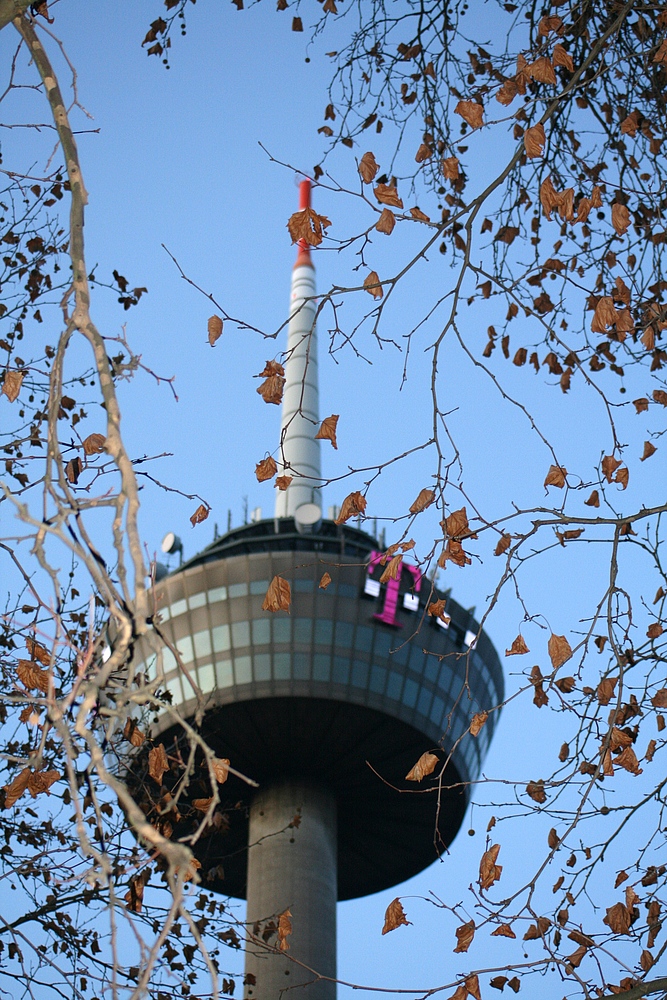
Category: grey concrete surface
[293,868]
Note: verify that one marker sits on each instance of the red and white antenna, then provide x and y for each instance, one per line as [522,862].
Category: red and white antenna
[303,252]
[299,451]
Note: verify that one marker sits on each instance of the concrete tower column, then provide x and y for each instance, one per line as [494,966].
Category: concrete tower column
[293,868]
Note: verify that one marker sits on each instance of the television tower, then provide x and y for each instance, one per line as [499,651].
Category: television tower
[354,683]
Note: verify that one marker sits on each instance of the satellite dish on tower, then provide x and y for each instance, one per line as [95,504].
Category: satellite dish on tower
[171,543]
[307,518]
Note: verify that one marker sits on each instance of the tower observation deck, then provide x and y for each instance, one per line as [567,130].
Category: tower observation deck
[327,707]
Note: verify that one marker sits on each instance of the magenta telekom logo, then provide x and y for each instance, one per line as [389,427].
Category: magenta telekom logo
[392,591]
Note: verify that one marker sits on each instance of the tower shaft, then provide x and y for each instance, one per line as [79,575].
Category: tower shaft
[293,868]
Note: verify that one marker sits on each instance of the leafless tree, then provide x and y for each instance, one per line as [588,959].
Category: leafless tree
[532,160]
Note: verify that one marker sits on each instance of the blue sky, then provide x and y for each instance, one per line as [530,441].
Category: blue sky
[177,161]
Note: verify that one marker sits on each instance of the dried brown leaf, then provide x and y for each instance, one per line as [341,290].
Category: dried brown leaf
[518,647]
[386,222]
[372,285]
[158,763]
[202,805]
[424,766]
[41,781]
[271,390]
[604,316]
[605,690]
[15,789]
[437,610]
[454,552]
[541,70]
[649,449]
[392,570]
[456,525]
[556,476]
[471,112]
[214,327]
[648,338]
[504,930]
[368,168]
[271,368]
[619,738]
[425,498]
[504,543]
[94,444]
[284,930]
[538,930]
[489,871]
[307,225]
[627,759]
[386,194]
[32,677]
[549,197]
[133,734]
[464,935]
[220,767]
[353,504]
[562,58]
[549,23]
[73,470]
[575,959]
[11,384]
[618,918]
[535,789]
[540,698]
[534,141]
[478,722]
[609,466]
[278,596]
[661,54]
[327,431]
[450,168]
[559,649]
[325,580]
[200,514]
[507,92]
[266,469]
[38,652]
[472,986]
[620,218]
[394,916]
[282,482]
[460,993]
[646,961]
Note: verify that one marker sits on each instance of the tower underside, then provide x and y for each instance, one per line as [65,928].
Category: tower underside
[386,832]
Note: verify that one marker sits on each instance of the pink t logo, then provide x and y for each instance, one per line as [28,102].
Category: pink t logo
[388,613]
